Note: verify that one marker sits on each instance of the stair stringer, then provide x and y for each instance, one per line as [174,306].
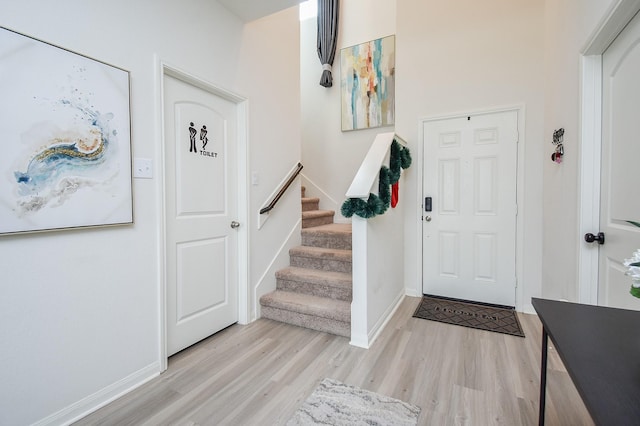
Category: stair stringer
[325,199]
[267,282]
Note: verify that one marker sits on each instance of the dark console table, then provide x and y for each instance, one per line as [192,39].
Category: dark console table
[600,348]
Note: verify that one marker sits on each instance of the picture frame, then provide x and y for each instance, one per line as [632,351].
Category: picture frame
[65,136]
[367,84]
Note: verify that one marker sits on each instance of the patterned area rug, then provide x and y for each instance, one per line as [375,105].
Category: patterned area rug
[469,314]
[335,403]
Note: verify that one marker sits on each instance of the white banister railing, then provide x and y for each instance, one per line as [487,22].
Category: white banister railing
[368,172]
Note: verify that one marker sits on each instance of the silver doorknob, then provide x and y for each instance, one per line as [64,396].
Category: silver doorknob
[427,218]
[235,224]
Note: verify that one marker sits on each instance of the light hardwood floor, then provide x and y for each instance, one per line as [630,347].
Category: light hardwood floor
[260,373]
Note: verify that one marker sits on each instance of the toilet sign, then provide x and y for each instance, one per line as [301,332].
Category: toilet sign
[203,139]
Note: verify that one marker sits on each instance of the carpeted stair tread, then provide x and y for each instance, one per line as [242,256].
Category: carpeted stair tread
[318,213]
[322,307]
[333,235]
[323,252]
[331,284]
[315,276]
[334,228]
[317,218]
[322,258]
[326,325]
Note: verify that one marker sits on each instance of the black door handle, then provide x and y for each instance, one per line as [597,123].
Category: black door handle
[591,238]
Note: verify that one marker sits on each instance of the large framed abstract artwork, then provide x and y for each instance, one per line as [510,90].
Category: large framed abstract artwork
[367,84]
[65,137]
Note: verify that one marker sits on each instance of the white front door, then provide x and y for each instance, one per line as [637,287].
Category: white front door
[201,204]
[620,167]
[469,234]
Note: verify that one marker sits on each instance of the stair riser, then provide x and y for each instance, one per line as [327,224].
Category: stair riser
[322,290]
[311,205]
[308,321]
[321,264]
[342,242]
[317,221]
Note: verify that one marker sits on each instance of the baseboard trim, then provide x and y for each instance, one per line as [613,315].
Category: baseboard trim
[365,341]
[359,341]
[528,309]
[385,318]
[91,403]
[412,292]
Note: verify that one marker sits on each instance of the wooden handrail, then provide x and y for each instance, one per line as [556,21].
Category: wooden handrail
[284,188]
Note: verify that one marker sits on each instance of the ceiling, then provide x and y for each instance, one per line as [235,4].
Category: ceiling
[250,10]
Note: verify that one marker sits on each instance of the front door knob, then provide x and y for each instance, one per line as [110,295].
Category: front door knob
[235,224]
[591,238]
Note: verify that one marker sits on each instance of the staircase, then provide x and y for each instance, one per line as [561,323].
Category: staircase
[315,290]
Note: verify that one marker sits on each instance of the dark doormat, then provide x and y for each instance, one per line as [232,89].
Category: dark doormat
[501,319]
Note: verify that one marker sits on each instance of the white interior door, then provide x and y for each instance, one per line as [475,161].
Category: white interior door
[201,204]
[469,236]
[620,169]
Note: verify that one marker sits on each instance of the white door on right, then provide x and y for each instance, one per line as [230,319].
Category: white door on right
[620,167]
[469,230]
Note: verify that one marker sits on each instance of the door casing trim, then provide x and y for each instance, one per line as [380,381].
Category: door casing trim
[612,24]
[164,69]
[520,111]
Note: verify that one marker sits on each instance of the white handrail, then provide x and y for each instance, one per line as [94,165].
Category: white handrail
[370,167]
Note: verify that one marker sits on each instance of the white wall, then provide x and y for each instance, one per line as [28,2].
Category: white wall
[450,57]
[79,309]
[331,157]
[467,56]
[568,25]
[79,317]
[268,71]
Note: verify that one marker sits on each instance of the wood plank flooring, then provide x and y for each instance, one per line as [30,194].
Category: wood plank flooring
[260,373]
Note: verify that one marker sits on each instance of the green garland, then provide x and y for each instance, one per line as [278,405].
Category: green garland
[378,204]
